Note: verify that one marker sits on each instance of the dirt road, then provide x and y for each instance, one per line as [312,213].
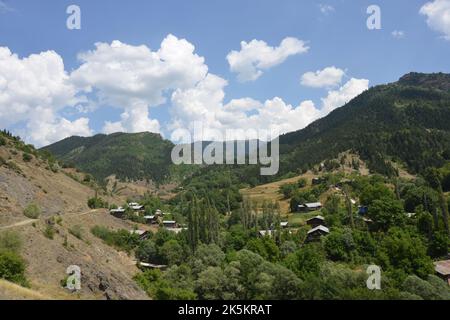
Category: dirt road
[30,221]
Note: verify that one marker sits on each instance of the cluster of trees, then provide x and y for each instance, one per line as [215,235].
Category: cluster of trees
[288,189]
[121,239]
[28,150]
[12,265]
[97,203]
[236,263]
[128,156]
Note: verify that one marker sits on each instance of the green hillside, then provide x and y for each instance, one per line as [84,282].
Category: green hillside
[128,156]
[406,122]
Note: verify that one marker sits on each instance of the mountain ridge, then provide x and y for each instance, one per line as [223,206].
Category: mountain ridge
[407,121]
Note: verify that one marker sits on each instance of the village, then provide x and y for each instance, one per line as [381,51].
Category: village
[310,213]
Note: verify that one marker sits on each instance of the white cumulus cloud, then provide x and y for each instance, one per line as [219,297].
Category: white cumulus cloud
[135,78]
[32,91]
[344,94]
[438,16]
[256,56]
[205,103]
[328,77]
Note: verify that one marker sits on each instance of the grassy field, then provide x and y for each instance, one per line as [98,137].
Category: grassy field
[270,191]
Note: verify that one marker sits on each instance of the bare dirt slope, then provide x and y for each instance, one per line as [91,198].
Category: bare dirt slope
[106,272]
[22,183]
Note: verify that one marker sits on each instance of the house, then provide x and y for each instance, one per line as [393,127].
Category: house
[284,225]
[118,213]
[146,265]
[316,221]
[316,233]
[313,206]
[170,224]
[264,233]
[137,207]
[158,213]
[176,230]
[367,220]
[151,219]
[442,269]
[143,234]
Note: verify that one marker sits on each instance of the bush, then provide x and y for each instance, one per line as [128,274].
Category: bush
[10,241]
[49,232]
[32,211]
[27,157]
[97,203]
[12,268]
[77,232]
[122,239]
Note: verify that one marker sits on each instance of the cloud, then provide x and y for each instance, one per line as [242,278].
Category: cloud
[398,34]
[257,56]
[135,78]
[36,90]
[44,127]
[326,8]
[344,94]
[205,103]
[438,16]
[328,77]
[32,91]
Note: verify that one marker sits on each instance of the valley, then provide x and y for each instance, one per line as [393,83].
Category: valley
[367,184]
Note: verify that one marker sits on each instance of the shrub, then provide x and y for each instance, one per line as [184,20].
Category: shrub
[32,211]
[10,241]
[27,157]
[2,141]
[49,232]
[77,232]
[14,167]
[121,239]
[97,203]
[12,268]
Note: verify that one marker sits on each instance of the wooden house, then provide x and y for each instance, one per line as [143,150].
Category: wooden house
[317,233]
[442,269]
[308,207]
[143,234]
[169,224]
[151,219]
[118,213]
[316,221]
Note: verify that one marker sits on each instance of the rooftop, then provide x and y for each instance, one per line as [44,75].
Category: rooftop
[442,267]
[316,217]
[313,204]
[138,232]
[319,228]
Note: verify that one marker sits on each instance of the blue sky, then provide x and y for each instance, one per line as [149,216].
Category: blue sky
[335,36]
